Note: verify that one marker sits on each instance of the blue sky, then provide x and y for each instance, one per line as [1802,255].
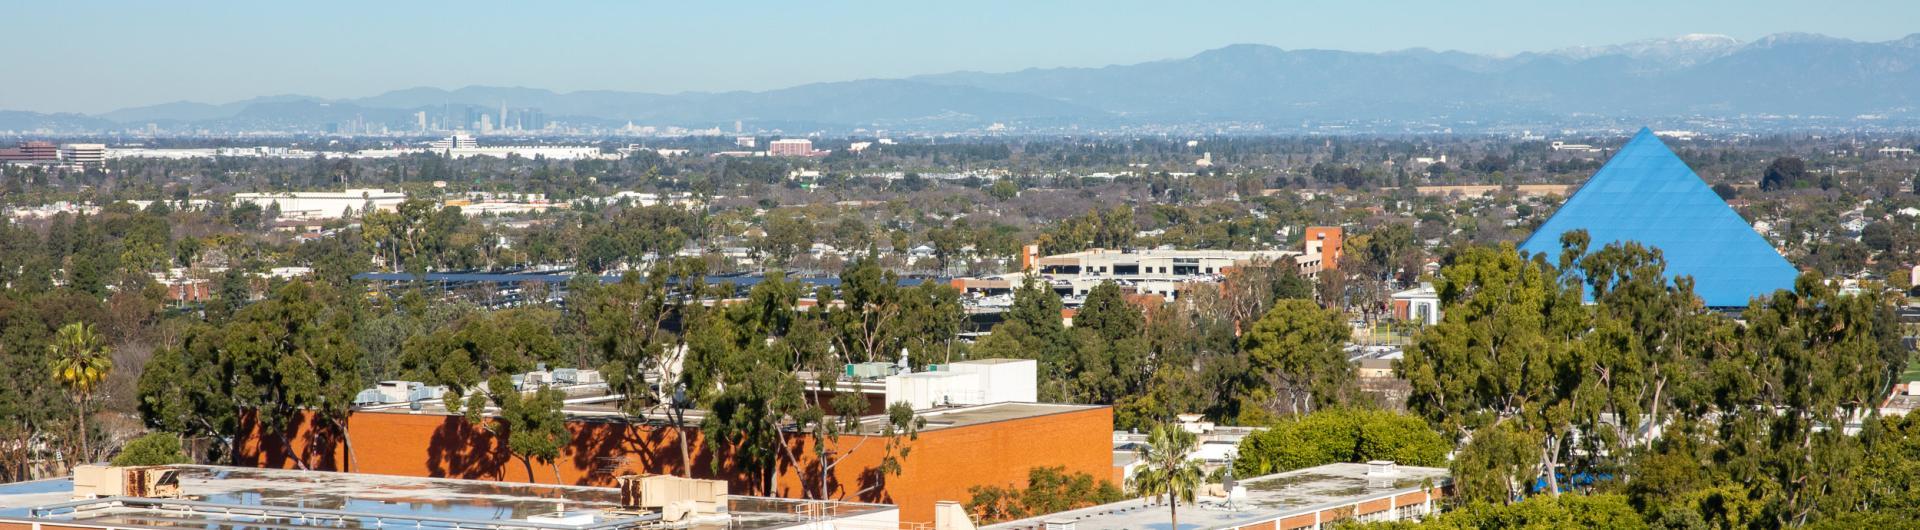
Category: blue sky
[93,56]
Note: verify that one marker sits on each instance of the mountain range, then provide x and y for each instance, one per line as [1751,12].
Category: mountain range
[1686,76]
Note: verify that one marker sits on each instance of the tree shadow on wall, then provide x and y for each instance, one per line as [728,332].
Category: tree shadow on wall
[459,449]
[873,487]
[608,449]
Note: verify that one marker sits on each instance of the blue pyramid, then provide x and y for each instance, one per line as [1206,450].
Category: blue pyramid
[1646,194]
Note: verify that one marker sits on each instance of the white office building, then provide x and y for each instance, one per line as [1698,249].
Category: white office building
[325,204]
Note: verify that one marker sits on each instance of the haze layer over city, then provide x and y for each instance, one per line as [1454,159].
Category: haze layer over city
[984,265]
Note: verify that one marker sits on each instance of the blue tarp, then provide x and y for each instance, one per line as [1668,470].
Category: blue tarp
[1646,194]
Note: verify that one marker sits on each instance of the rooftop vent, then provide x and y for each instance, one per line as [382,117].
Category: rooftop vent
[1382,469]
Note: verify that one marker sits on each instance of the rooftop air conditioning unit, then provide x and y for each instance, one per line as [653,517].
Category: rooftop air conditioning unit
[660,492]
[96,481]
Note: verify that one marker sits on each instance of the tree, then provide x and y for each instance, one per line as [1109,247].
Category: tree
[1297,347]
[80,362]
[1878,236]
[749,356]
[1004,190]
[1785,172]
[1540,513]
[478,348]
[868,327]
[151,449]
[1166,470]
[1110,348]
[628,321]
[534,423]
[34,405]
[1110,228]
[475,358]
[787,236]
[290,355]
[1033,330]
[1647,333]
[1387,249]
[901,427]
[1340,435]
[187,389]
[1048,490]
[1726,191]
[1811,358]
[1509,325]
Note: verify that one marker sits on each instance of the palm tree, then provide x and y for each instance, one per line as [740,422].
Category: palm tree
[1165,469]
[80,362]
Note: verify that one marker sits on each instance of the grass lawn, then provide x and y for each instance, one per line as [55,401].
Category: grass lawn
[1913,371]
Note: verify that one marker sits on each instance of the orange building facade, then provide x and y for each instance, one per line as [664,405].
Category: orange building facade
[941,464]
[1325,241]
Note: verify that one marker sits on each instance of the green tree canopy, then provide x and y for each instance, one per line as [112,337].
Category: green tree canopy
[1341,435]
[151,449]
[1297,346]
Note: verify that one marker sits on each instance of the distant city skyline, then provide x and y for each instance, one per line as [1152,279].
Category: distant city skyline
[98,56]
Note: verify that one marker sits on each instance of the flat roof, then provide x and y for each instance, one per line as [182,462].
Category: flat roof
[1170,253]
[937,418]
[1269,497]
[235,498]
[947,418]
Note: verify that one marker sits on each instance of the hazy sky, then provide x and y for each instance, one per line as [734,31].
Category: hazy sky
[87,56]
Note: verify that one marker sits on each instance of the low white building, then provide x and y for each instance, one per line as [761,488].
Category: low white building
[324,204]
[976,382]
[1420,304]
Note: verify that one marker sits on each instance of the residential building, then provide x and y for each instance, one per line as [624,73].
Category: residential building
[790,147]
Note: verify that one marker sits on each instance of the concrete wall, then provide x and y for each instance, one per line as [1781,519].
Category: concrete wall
[940,465]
